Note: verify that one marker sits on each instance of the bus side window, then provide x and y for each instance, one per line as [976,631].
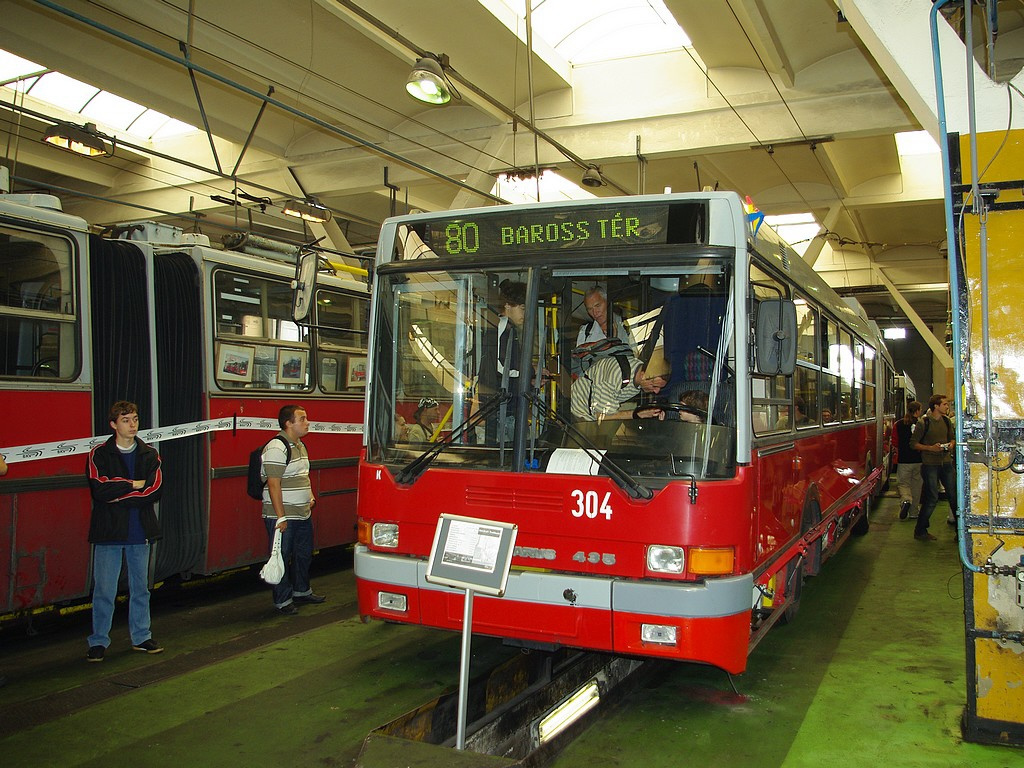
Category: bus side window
[39,327]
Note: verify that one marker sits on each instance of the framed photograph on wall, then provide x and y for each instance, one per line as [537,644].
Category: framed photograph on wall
[291,366]
[235,362]
[356,372]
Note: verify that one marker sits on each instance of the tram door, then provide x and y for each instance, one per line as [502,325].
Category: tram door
[147,348]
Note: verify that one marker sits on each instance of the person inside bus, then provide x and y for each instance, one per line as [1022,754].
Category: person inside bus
[599,394]
[424,417]
[401,428]
[603,324]
[801,416]
[499,357]
[695,406]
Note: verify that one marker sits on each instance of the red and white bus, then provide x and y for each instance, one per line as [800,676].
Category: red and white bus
[204,341]
[677,537]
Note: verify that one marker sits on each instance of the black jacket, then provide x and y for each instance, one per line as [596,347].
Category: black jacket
[113,495]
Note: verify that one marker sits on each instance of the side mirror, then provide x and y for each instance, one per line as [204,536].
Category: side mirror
[303,285]
[775,337]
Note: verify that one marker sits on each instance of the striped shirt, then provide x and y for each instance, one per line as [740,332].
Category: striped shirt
[600,392]
[296,491]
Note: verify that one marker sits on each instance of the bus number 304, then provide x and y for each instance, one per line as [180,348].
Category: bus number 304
[590,504]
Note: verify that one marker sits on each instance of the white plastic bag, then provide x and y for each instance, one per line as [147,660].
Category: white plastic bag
[273,571]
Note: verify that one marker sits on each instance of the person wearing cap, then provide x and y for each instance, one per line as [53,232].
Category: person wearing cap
[424,417]
[599,393]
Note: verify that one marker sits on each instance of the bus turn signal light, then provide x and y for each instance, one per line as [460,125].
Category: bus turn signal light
[711,561]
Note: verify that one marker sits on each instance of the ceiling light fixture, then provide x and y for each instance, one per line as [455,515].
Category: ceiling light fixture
[307,210]
[592,177]
[428,83]
[82,140]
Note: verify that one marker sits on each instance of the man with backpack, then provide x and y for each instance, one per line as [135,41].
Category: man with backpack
[287,504]
[599,393]
[935,437]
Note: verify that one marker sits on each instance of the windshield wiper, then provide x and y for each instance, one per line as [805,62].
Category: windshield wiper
[411,472]
[621,477]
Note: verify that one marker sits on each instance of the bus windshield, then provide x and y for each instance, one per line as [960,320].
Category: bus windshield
[633,369]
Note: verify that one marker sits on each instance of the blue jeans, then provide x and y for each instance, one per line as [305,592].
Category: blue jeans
[106,568]
[297,553]
[930,476]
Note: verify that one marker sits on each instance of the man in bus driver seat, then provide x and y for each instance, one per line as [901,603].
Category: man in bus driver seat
[599,394]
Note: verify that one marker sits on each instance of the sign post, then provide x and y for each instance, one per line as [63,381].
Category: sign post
[474,555]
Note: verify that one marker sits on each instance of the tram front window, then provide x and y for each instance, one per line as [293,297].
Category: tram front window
[488,362]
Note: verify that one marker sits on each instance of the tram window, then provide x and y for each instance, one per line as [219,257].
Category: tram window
[258,345]
[341,341]
[38,314]
[806,386]
[830,398]
[771,404]
[806,323]
[829,345]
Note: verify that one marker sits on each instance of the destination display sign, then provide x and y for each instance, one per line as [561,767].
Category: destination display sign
[517,232]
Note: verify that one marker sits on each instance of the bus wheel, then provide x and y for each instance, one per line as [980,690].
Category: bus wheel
[863,525]
[794,588]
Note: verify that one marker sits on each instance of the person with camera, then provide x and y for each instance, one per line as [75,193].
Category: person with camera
[935,437]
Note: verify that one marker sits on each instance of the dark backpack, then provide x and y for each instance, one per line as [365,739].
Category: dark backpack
[255,482]
[588,354]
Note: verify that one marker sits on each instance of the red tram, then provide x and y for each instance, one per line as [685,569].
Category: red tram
[204,341]
[674,537]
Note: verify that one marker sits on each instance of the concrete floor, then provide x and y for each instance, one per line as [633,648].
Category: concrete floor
[871,673]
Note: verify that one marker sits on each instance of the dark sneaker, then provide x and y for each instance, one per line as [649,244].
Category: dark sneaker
[924,537]
[904,510]
[288,610]
[95,653]
[312,597]
[149,646]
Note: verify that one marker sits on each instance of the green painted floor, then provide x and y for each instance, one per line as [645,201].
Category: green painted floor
[870,674]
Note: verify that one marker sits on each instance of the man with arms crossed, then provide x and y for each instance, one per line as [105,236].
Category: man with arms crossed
[125,478]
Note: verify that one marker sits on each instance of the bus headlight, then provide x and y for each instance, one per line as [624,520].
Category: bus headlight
[665,559]
[385,535]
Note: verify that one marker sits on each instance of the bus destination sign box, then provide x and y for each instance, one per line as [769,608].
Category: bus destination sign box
[527,231]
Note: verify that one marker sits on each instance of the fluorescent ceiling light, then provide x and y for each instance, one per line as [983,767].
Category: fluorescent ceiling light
[894,333]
